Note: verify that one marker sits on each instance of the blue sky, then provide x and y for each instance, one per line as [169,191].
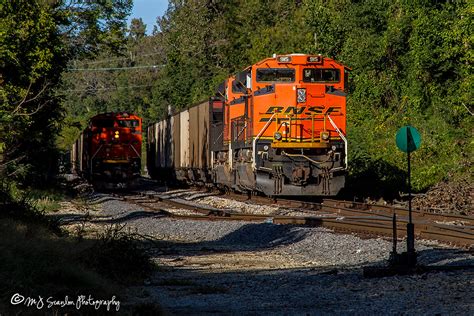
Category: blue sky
[148,10]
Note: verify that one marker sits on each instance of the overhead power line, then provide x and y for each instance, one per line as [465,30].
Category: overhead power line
[103,89]
[116,68]
[115,59]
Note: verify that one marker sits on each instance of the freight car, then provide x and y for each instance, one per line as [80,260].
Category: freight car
[278,127]
[108,151]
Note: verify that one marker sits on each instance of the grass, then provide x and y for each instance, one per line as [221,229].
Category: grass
[36,261]
[38,258]
[18,205]
[119,255]
[46,200]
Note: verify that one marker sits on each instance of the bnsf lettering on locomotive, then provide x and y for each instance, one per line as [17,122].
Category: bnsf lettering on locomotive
[315,110]
[283,149]
[274,109]
[319,109]
[294,110]
[333,109]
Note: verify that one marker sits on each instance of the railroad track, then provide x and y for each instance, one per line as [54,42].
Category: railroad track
[350,208]
[341,216]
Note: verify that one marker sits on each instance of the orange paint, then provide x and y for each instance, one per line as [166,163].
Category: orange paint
[273,88]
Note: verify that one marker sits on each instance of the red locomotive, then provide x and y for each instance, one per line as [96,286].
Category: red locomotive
[108,151]
[278,127]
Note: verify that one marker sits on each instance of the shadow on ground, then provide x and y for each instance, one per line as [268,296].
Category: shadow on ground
[316,291]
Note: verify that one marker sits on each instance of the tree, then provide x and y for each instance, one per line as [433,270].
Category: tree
[137,29]
[37,39]
[411,61]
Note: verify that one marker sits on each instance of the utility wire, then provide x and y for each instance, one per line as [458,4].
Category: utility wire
[103,89]
[116,68]
[114,59]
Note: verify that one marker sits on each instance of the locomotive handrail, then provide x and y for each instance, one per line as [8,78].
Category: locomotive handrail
[138,155]
[254,143]
[305,157]
[342,136]
[93,156]
[96,152]
[240,133]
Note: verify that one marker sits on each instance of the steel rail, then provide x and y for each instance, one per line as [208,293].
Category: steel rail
[359,221]
[390,210]
[352,208]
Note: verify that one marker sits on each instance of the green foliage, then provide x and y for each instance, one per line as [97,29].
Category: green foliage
[22,206]
[36,261]
[411,61]
[39,257]
[415,79]
[37,38]
[30,54]
[117,254]
[112,83]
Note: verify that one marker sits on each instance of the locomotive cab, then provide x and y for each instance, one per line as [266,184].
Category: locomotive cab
[111,155]
[278,127]
[292,136]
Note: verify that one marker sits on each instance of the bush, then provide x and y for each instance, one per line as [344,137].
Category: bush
[18,205]
[119,255]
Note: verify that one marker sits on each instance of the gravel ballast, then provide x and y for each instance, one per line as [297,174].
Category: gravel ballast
[229,267]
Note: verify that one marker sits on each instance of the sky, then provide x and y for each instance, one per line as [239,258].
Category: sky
[148,10]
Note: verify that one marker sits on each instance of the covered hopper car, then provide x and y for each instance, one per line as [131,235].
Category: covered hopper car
[278,127]
[108,151]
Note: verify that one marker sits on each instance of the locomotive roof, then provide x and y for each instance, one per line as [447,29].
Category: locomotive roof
[298,59]
[118,115]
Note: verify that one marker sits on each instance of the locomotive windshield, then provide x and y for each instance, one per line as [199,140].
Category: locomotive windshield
[275,74]
[104,123]
[128,123]
[320,75]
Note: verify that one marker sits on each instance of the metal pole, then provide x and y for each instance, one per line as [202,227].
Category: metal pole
[394,224]
[410,226]
[409,188]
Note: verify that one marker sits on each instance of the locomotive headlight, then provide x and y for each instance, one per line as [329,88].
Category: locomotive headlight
[301,95]
[116,134]
[278,136]
[324,135]
[266,148]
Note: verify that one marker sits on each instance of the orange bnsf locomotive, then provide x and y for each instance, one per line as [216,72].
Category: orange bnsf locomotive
[277,128]
[108,151]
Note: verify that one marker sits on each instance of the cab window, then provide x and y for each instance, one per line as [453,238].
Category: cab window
[104,123]
[275,75]
[321,75]
[127,123]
